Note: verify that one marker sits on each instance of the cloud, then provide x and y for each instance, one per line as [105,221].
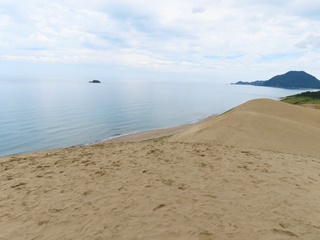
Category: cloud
[312,41]
[167,35]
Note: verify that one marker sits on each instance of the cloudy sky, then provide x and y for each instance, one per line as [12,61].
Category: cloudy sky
[221,40]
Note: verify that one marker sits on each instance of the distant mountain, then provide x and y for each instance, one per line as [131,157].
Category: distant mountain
[255,83]
[292,80]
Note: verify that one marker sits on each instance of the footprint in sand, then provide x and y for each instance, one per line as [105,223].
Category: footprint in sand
[18,185]
[159,206]
[283,232]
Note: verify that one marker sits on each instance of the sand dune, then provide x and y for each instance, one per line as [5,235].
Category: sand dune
[265,124]
[252,173]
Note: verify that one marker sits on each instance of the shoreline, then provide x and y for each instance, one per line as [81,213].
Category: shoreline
[141,135]
[156,133]
[131,137]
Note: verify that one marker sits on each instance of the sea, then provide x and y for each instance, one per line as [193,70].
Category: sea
[47,114]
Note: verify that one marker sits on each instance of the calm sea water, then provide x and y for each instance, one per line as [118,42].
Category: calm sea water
[39,115]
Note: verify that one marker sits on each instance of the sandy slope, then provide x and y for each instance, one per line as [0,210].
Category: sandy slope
[242,175]
[265,124]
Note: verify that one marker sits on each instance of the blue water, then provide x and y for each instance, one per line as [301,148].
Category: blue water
[47,114]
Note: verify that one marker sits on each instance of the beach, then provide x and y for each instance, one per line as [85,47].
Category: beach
[250,173]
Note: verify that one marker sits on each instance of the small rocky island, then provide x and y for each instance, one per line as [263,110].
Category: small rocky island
[94,81]
[289,80]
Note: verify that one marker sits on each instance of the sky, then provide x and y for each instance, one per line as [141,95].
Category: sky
[215,40]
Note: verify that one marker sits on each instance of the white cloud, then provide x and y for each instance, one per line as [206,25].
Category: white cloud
[312,41]
[165,35]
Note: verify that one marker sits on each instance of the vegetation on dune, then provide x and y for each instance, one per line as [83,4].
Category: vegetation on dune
[159,139]
[303,98]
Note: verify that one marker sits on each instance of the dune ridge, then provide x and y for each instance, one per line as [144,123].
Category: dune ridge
[250,173]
